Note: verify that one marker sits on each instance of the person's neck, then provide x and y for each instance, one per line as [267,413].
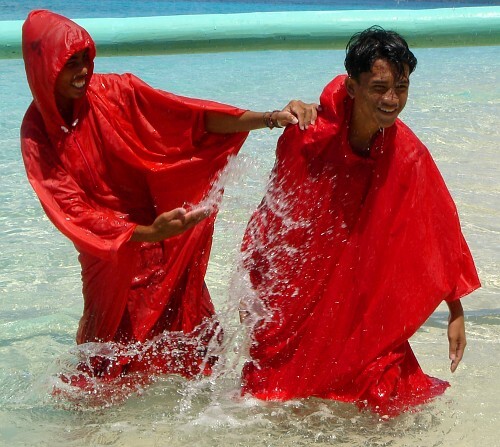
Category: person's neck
[65,107]
[361,136]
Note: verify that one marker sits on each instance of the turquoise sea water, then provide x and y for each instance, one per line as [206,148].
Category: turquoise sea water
[454,107]
[13,9]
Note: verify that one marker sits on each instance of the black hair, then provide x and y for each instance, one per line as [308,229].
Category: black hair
[364,48]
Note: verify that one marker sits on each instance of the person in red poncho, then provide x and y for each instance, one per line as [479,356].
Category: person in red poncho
[119,168]
[354,245]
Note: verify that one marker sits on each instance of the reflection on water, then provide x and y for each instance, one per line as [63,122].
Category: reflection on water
[453,107]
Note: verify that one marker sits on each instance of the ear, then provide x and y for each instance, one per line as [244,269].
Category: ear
[350,85]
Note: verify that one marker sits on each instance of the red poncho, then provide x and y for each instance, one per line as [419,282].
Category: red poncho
[132,153]
[349,256]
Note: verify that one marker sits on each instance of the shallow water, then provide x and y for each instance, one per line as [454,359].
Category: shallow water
[454,107]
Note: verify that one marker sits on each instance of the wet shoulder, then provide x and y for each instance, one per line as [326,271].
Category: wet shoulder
[407,144]
[32,126]
[112,85]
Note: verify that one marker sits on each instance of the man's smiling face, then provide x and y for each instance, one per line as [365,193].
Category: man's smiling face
[379,95]
[71,82]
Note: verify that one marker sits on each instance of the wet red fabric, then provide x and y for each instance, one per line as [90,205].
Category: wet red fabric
[348,257]
[131,153]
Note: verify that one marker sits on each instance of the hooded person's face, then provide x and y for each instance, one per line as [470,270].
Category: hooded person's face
[58,56]
[71,83]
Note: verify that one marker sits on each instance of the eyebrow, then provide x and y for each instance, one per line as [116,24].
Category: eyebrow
[380,82]
[383,82]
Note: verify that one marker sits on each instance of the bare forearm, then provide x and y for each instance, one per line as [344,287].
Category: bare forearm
[456,333]
[222,123]
[143,233]
[456,309]
[295,112]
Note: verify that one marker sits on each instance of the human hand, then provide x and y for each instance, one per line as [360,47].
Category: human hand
[299,112]
[170,224]
[456,334]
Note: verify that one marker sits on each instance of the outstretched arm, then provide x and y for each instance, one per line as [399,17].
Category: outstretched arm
[456,333]
[295,112]
[169,224]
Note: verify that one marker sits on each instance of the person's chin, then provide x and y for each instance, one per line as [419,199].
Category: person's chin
[387,121]
[79,94]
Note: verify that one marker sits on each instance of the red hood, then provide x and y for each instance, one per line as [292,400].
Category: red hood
[135,152]
[49,40]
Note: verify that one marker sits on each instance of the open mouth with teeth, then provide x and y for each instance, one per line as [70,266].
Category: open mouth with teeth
[79,83]
[388,111]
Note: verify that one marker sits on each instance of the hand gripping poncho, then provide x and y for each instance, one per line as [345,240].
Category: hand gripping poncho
[348,257]
[131,153]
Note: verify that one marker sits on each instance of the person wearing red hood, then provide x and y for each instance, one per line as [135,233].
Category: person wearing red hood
[354,245]
[119,168]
